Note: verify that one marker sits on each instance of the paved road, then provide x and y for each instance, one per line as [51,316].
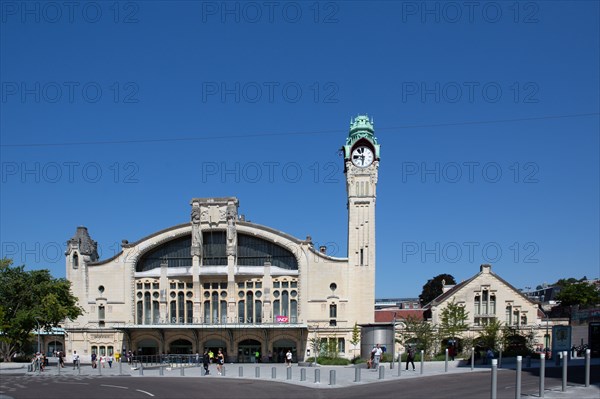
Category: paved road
[475,385]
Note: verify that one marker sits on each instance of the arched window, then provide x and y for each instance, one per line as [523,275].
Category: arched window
[75,260]
[333,310]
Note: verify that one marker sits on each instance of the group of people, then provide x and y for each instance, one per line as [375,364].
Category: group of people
[103,360]
[209,357]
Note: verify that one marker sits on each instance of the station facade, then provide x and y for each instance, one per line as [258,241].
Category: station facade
[220,281]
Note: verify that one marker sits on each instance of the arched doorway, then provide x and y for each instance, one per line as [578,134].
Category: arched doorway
[280,348]
[147,347]
[181,347]
[247,351]
[214,345]
[53,347]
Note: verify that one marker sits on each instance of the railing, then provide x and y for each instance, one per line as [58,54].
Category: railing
[219,321]
[174,360]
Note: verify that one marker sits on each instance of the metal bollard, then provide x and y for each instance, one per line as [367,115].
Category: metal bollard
[99,369]
[494,378]
[241,371]
[273,372]
[59,367]
[422,360]
[399,368]
[288,374]
[120,368]
[587,367]
[518,383]
[161,370]
[500,359]
[182,370]
[381,372]
[446,363]
[302,374]
[564,371]
[223,370]
[542,373]
[78,368]
[331,377]
[317,376]
[141,369]
[472,359]
[357,374]
[257,372]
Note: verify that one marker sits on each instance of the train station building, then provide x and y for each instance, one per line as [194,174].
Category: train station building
[220,281]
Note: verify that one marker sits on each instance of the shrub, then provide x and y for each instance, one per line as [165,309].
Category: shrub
[329,361]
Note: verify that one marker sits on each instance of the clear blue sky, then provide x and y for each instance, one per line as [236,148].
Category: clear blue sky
[115,114]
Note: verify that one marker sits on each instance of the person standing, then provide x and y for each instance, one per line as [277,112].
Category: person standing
[110,361]
[410,357]
[75,360]
[220,361]
[288,358]
[206,362]
[377,351]
[94,357]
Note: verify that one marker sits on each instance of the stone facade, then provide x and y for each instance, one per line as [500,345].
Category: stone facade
[220,281]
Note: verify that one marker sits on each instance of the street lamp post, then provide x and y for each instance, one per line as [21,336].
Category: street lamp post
[394,340]
[38,334]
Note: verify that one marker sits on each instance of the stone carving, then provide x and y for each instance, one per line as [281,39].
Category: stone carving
[196,232]
[231,230]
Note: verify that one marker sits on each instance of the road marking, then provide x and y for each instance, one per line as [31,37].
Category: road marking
[113,386]
[147,393]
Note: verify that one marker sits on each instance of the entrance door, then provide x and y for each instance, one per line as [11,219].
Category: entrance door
[247,351]
[281,347]
[181,347]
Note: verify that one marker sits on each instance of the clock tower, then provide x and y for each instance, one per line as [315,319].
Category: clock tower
[361,163]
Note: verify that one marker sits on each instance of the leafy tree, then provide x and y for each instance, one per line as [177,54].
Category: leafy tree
[433,287]
[491,337]
[418,332]
[579,293]
[28,298]
[453,321]
[355,336]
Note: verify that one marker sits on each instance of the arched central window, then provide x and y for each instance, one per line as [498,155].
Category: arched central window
[255,251]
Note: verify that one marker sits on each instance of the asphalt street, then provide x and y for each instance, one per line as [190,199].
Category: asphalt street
[463,384]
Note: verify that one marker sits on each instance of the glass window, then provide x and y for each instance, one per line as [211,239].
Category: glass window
[95,349]
[258,311]
[189,309]
[173,285]
[285,284]
[207,311]
[285,302]
[155,312]
[249,284]
[147,308]
[181,285]
[276,308]
[173,313]
[294,311]
[341,345]
[276,284]
[215,286]
[294,284]
[333,310]
[258,284]
[189,285]
[206,286]
[103,351]
[241,311]
[140,312]
[223,312]
[223,286]
[241,285]
[249,309]
[101,313]
[155,286]
[110,350]
[146,286]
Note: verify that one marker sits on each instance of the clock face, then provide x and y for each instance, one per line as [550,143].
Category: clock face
[362,156]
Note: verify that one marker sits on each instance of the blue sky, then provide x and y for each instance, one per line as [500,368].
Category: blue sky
[115,114]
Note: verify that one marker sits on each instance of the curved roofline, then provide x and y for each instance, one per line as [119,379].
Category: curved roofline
[240,222]
[133,244]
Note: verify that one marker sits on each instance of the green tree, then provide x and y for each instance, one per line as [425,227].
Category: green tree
[491,335]
[418,332]
[28,298]
[433,287]
[355,336]
[579,293]
[453,321]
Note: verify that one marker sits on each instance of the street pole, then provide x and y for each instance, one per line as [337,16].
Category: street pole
[394,341]
[38,334]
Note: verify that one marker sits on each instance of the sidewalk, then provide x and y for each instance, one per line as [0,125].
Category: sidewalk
[344,375]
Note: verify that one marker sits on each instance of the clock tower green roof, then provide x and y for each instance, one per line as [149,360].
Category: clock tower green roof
[361,128]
